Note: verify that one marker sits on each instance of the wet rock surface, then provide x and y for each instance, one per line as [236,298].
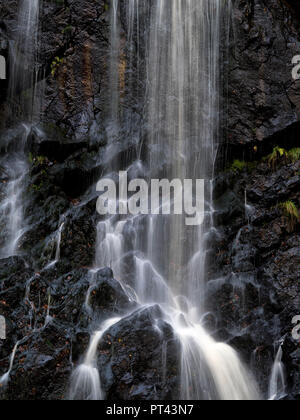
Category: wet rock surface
[254,282]
[108,296]
[138,358]
[255,290]
[46,313]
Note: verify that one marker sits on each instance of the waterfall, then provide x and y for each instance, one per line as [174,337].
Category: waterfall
[114,63]
[24,108]
[58,243]
[5,378]
[277,385]
[85,381]
[181,60]
[23,57]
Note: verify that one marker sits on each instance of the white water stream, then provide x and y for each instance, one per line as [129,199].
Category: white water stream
[23,104]
[85,379]
[24,108]
[168,258]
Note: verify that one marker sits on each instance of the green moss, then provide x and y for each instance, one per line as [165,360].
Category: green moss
[37,187]
[294,154]
[291,214]
[68,29]
[41,163]
[277,156]
[38,160]
[281,155]
[55,65]
[238,166]
[41,160]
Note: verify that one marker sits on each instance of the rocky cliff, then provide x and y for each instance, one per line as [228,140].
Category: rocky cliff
[255,289]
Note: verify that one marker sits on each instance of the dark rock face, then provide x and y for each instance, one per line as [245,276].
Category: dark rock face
[257,295]
[254,288]
[253,284]
[46,314]
[295,6]
[138,358]
[76,32]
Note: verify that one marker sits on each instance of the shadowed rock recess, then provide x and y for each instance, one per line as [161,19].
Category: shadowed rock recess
[253,282]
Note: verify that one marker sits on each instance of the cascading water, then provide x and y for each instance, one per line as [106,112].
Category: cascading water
[24,105]
[114,64]
[168,258]
[57,251]
[5,378]
[22,85]
[277,385]
[85,379]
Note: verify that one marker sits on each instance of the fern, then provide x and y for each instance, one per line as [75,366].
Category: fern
[276,156]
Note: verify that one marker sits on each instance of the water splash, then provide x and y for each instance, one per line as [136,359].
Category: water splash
[210,370]
[110,246]
[85,381]
[277,386]
[58,244]
[167,259]
[5,378]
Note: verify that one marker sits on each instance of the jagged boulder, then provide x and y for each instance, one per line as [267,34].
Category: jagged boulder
[108,296]
[138,358]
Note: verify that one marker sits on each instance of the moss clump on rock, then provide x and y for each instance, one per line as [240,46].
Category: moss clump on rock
[291,214]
